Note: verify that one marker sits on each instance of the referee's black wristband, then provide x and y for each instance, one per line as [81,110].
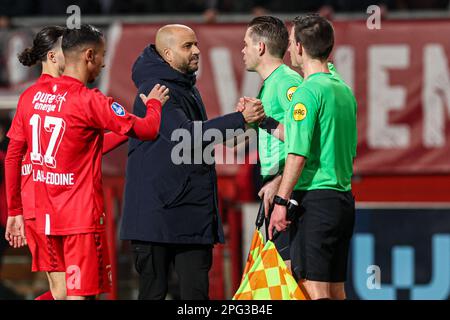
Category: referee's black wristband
[269,124]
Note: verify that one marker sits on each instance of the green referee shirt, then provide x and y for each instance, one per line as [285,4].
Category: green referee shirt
[321,126]
[276,95]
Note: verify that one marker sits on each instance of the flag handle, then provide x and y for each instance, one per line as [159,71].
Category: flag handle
[260,217]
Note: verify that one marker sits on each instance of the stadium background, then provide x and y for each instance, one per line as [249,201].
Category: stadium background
[400,75]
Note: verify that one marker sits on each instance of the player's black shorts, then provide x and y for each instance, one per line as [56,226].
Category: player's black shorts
[321,234]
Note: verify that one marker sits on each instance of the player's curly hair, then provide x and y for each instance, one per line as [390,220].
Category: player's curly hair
[316,35]
[274,32]
[44,41]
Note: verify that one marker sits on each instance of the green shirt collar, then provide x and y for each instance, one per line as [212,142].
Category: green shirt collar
[319,74]
[274,72]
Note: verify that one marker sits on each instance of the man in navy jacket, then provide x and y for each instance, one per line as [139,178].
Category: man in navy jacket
[170,212]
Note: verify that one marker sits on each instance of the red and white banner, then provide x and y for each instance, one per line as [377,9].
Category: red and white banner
[401,78]
[400,75]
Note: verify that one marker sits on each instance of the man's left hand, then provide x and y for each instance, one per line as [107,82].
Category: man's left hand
[268,192]
[240,106]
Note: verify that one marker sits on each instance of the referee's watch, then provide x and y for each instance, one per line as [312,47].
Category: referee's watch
[281,201]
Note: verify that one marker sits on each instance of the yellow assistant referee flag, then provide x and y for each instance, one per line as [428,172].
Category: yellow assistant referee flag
[266,276]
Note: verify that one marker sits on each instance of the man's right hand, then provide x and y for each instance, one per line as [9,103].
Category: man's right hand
[253,110]
[158,92]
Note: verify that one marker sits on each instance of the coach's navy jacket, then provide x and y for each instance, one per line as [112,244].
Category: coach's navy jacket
[165,202]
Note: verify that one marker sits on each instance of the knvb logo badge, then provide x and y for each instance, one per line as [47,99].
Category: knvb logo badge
[118,109]
[366,278]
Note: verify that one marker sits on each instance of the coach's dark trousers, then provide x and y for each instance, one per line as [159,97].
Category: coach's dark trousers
[192,264]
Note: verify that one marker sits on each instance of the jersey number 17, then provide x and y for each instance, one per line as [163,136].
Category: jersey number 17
[55,126]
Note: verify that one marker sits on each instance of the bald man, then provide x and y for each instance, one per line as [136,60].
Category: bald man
[170,211]
[177,45]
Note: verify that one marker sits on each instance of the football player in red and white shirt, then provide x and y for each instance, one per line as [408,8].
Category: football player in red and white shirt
[63,123]
[47,50]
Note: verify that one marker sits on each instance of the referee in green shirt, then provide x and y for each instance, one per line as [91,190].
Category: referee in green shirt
[265,44]
[320,140]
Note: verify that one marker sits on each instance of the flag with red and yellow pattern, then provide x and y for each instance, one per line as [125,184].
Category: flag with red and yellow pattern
[266,276]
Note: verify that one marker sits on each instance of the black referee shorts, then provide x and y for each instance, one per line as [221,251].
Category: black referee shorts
[321,234]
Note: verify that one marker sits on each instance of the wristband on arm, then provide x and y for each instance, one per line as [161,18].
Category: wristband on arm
[269,124]
[281,201]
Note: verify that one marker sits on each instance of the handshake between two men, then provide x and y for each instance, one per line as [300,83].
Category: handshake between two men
[252,109]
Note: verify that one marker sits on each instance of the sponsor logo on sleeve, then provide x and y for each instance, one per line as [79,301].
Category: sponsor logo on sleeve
[290,93]
[299,112]
[118,109]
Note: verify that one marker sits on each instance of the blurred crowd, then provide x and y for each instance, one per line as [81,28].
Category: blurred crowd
[209,9]
[14,8]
